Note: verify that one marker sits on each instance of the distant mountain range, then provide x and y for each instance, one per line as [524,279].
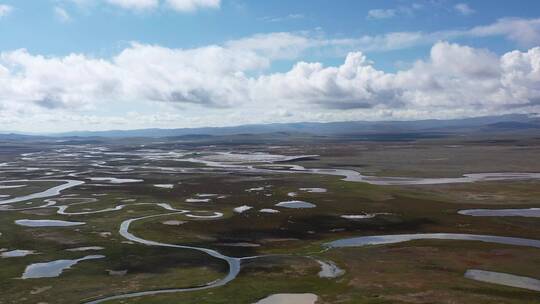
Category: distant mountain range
[486,124]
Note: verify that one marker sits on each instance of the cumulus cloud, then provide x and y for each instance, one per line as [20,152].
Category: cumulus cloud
[74,81]
[521,74]
[231,82]
[454,76]
[5,10]
[192,5]
[217,77]
[464,9]
[211,76]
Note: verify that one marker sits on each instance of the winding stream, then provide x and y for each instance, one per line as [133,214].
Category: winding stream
[231,163]
[399,238]
[245,162]
[53,191]
[234,263]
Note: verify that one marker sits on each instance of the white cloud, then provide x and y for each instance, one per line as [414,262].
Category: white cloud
[524,31]
[74,81]
[275,45]
[381,13]
[148,5]
[407,10]
[5,10]
[135,4]
[192,5]
[230,83]
[453,75]
[61,14]
[464,9]
[211,76]
[213,85]
[455,81]
[521,73]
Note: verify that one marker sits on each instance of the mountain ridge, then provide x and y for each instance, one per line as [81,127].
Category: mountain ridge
[503,122]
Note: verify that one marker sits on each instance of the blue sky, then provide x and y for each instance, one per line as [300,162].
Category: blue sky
[104,29]
[122,64]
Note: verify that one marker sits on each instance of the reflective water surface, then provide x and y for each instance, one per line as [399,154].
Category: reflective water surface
[296,204]
[530,212]
[53,268]
[398,238]
[290,298]
[503,279]
[47,223]
[16,253]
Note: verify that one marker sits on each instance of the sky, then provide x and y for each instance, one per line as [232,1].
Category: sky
[129,64]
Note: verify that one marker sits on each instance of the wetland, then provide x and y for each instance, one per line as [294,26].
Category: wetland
[305,221]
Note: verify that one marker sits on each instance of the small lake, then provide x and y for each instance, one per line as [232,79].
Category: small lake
[314,190]
[54,268]
[503,279]
[164,186]
[268,210]
[398,238]
[530,212]
[114,180]
[296,204]
[16,253]
[197,200]
[88,248]
[289,298]
[47,223]
[241,209]
[11,186]
[358,216]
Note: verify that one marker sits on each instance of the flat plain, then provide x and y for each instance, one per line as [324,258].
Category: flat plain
[175,220]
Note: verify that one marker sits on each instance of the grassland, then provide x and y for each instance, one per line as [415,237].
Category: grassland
[412,272]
